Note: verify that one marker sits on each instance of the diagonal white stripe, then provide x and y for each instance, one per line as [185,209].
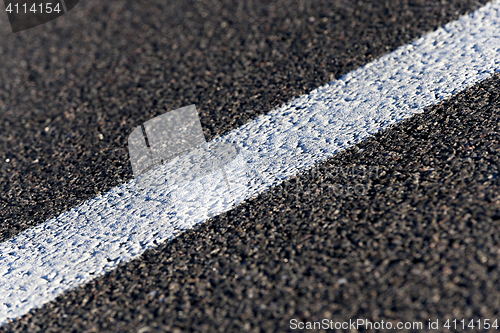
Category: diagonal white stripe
[93,238]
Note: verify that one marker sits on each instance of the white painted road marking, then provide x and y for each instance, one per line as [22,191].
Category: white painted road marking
[87,241]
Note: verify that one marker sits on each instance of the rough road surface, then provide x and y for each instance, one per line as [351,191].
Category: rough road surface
[419,242]
[73,89]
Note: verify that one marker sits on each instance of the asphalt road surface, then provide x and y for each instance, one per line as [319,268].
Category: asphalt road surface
[420,243]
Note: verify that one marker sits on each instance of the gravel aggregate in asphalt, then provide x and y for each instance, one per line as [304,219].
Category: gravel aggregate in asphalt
[73,89]
[421,243]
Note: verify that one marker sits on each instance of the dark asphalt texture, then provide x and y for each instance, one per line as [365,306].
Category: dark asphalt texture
[422,243]
[73,89]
